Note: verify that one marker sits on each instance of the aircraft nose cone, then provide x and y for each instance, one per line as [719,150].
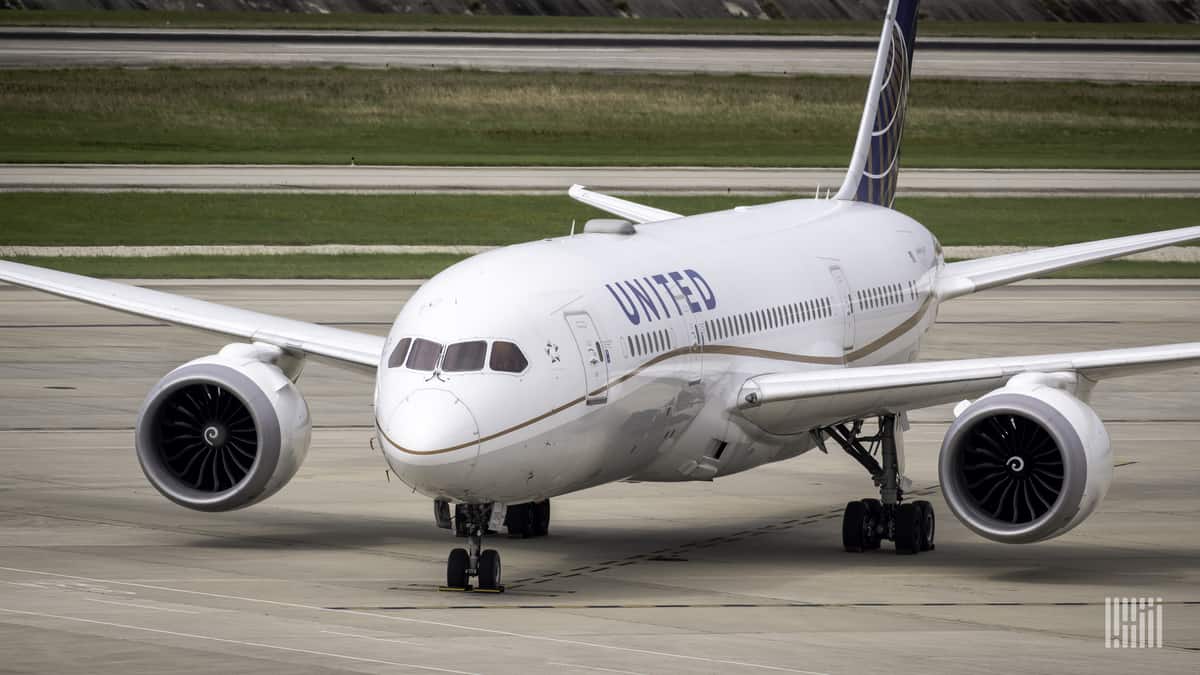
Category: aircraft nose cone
[430,423]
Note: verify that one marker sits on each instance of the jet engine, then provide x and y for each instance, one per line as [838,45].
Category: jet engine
[1027,462]
[225,431]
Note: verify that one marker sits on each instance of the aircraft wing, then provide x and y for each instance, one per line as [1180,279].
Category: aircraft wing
[631,211]
[797,402]
[342,347]
[969,276]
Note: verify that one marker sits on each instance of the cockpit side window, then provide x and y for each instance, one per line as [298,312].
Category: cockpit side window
[424,355]
[507,358]
[464,357]
[399,353]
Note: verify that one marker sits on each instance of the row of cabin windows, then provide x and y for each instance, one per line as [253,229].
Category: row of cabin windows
[650,342]
[460,357]
[886,296]
[770,318]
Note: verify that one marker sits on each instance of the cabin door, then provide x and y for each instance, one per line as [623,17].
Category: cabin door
[594,356]
[844,301]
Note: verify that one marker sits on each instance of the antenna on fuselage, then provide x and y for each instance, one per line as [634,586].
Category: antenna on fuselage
[572,227]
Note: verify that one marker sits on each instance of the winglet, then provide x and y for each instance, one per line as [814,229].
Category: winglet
[638,213]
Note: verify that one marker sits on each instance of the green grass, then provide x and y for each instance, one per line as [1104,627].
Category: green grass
[427,22]
[483,118]
[80,219]
[140,218]
[417,267]
[255,266]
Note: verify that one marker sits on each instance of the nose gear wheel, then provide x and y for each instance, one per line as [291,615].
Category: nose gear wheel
[473,562]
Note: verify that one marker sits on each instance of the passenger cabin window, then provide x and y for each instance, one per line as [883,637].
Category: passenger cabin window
[507,358]
[464,357]
[424,355]
[399,353]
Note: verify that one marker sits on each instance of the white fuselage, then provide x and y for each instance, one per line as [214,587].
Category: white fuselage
[637,345]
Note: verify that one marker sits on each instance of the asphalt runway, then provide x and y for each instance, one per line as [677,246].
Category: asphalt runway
[337,573]
[1152,61]
[103,177]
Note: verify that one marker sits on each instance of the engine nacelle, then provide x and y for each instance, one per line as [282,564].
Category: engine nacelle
[1025,463]
[225,431]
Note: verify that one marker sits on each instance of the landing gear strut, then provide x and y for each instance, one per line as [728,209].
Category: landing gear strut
[473,561]
[867,522]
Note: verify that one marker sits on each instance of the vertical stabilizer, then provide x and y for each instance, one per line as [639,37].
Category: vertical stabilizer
[875,166]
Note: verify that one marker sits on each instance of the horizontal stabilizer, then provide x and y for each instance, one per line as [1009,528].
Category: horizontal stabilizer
[631,211]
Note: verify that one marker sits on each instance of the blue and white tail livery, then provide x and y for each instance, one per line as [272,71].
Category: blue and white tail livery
[875,166]
[660,347]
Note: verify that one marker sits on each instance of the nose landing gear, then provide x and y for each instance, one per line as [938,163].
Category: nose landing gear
[867,522]
[473,561]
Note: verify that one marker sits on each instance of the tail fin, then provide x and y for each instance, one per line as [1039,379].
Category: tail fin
[875,166]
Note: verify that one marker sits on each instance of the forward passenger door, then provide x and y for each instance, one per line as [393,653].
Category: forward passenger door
[593,356]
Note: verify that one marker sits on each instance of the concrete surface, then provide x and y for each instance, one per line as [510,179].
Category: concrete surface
[1174,254]
[556,180]
[337,573]
[1152,61]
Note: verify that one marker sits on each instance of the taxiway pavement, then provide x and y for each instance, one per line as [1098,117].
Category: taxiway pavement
[338,572]
[326,178]
[1102,60]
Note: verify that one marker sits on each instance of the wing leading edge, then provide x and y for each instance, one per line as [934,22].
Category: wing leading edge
[962,278]
[342,347]
[796,402]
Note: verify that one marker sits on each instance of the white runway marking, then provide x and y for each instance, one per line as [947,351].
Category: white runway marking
[131,604]
[261,645]
[18,583]
[597,668]
[368,637]
[442,624]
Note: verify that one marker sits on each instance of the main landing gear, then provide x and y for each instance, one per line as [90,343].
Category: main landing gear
[867,522]
[473,561]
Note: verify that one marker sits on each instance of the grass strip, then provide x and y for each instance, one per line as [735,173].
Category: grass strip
[255,266]
[420,267]
[142,219]
[558,24]
[335,116]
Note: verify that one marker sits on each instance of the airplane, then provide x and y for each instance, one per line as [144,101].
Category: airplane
[658,347]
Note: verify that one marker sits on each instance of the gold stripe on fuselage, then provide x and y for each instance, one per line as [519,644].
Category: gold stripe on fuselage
[727,350]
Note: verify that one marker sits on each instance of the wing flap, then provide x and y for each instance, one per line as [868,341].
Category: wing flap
[631,211]
[339,346]
[969,276]
[796,402]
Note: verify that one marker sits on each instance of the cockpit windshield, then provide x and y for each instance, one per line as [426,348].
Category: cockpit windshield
[464,357]
[507,358]
[424,355]
[461,357]
[399,353]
